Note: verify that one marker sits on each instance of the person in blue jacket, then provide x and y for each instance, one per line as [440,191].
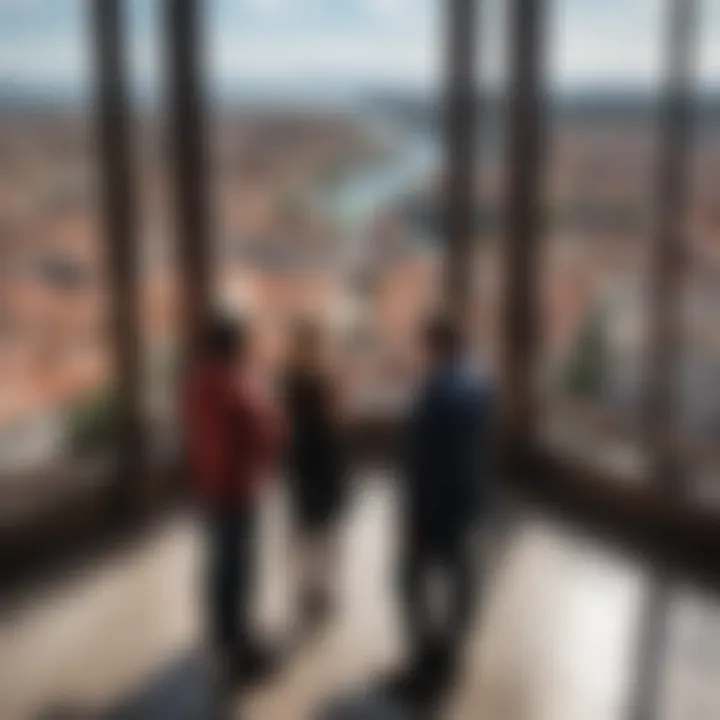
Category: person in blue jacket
[444,488]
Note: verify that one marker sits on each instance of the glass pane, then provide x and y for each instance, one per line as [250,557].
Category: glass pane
[56,406]
[325,136]
[700,416]
[491,178]
[156,237]
[599,190]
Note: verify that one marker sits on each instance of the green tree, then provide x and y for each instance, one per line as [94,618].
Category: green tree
[584,374]
[93,421]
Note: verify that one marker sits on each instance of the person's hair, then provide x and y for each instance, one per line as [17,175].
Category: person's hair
[224,339]
[442,336]
[306,334]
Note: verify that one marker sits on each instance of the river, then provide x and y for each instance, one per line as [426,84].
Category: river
[358,197]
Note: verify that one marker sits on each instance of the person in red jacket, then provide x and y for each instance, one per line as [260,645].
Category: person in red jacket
[232,437]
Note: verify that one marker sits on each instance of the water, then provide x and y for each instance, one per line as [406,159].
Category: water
[357,199]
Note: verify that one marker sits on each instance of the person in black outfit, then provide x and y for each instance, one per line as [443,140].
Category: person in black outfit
[316,465]
[442,496]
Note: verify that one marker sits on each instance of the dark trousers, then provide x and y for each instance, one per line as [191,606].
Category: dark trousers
[231,564]
[448,558]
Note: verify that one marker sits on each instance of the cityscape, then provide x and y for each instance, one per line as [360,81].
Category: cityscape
[338,211]
[359,359]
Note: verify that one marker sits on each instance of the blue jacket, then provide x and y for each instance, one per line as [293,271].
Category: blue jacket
[447,464]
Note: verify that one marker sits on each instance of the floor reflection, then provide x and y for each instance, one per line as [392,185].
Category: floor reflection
[186,690]
[556,641]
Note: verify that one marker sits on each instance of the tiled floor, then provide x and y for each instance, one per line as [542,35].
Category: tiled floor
[556,639]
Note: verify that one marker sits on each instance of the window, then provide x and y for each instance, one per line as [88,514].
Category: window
[599,193]
[326,138]
[54,362]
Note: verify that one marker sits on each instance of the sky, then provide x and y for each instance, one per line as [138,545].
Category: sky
[348,42]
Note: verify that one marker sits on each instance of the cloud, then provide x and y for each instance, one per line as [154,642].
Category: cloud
[399,40]
[352,57]
[390,8]
[266,7]
[614,41]
[56,62]
[20,4]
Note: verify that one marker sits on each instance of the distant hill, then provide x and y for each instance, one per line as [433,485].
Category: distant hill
[601,105]
[16,97]
[412,106]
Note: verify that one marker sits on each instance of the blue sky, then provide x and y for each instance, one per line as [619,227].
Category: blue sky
[375,42]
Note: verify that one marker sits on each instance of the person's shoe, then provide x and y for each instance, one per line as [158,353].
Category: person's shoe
[254,664]
[423,684]
[409,684]
[441,668]
[399,685]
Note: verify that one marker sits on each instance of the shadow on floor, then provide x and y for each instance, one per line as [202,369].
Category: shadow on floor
[362,706]
[187,690]
[181,691]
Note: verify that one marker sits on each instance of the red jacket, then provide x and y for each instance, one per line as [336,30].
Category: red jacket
[232,436]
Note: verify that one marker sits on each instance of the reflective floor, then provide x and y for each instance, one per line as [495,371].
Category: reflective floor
[556,638]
